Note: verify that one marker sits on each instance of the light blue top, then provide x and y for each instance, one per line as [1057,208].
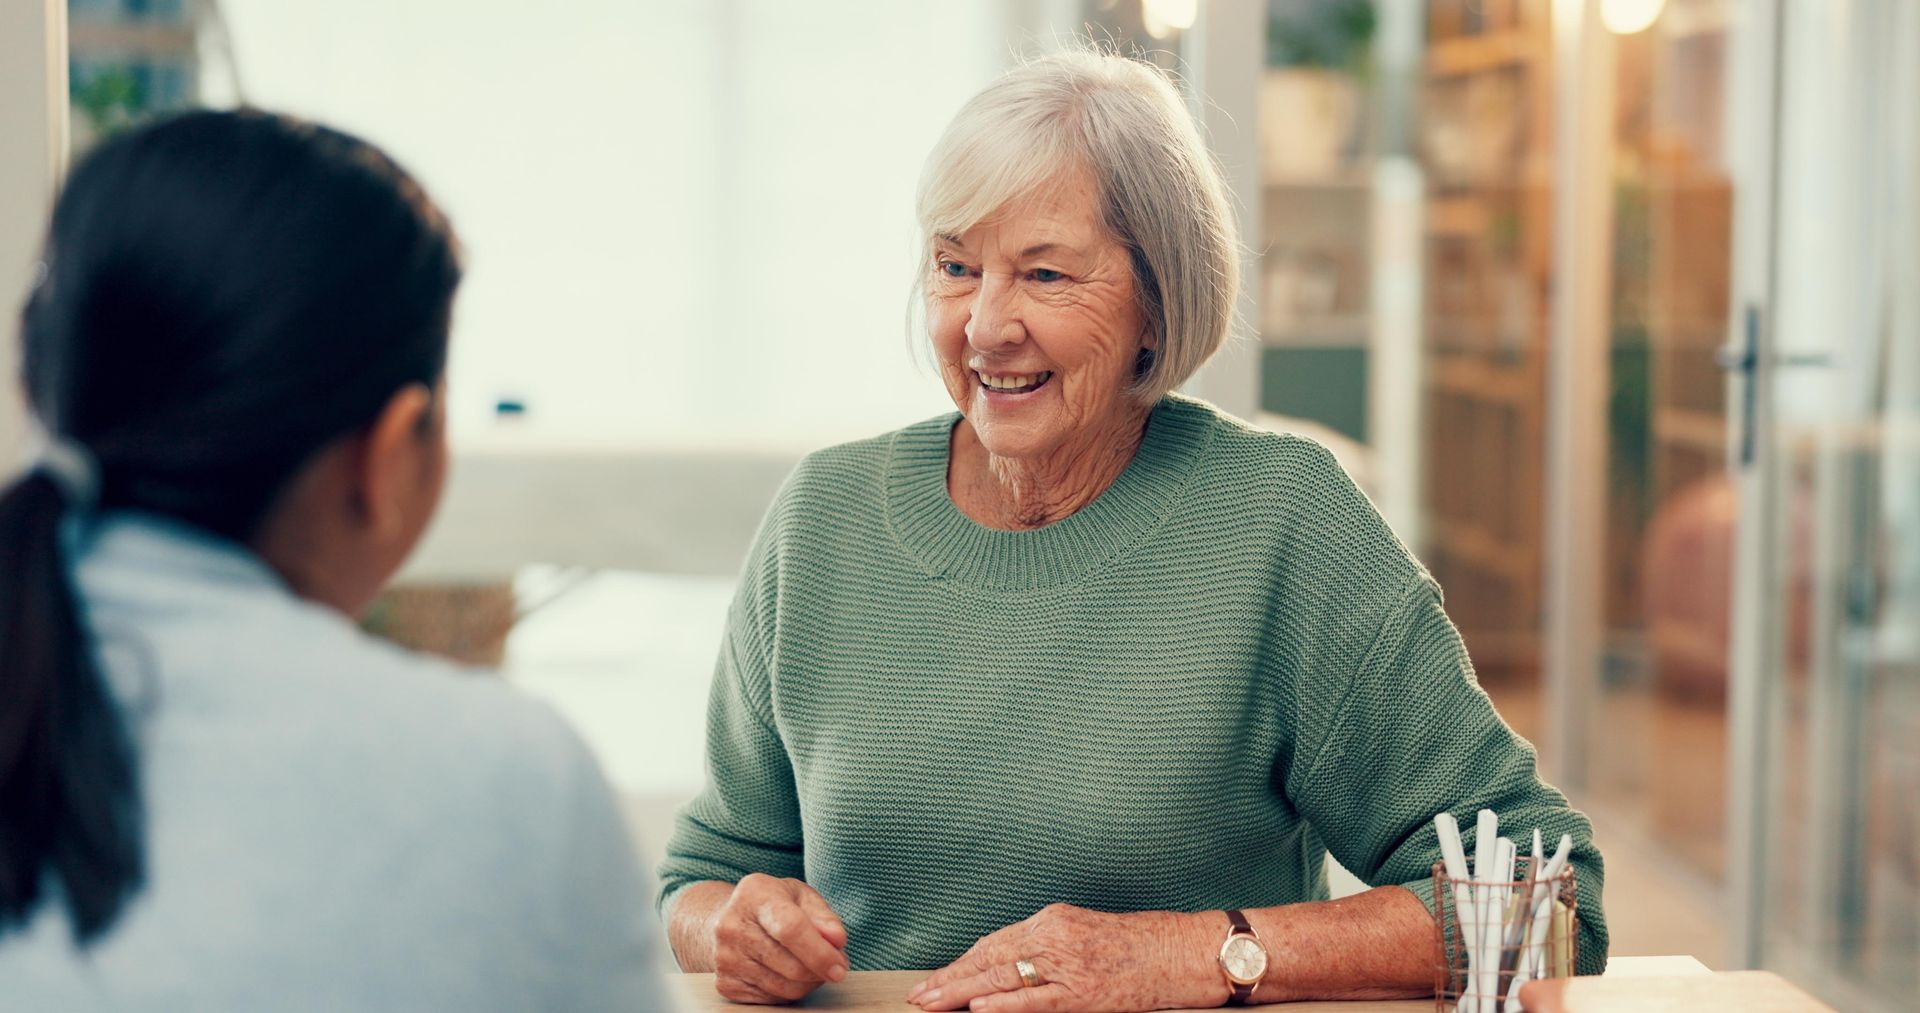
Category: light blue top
[333,823]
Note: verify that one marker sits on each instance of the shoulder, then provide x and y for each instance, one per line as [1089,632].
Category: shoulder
[1291,492]
[456,703]
[1284,473]
[423,719]
[475,749]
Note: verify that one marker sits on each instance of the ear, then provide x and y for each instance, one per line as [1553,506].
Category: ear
[1149,350]
[395,467]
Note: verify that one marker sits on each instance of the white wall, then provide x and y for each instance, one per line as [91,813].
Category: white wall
[1225,53]
[33,106]
[689,225]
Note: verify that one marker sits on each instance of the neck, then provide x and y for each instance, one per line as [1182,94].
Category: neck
[307,538]
[309,569]
[1022,493]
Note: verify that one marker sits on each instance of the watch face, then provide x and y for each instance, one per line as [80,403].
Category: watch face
[1244,958]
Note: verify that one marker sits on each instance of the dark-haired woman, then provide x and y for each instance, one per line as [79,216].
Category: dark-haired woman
[215,793]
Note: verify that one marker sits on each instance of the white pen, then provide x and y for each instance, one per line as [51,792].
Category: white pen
[1492,956]
[1453,858]
[1543,897]
[1523,971]
[1513,952]
[1485,852]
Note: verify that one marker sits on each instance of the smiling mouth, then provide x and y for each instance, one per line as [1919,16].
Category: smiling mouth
[1023,384]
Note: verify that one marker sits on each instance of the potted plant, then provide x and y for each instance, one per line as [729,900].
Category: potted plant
[1314,95]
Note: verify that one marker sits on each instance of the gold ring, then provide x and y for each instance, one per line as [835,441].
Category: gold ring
[1028,976]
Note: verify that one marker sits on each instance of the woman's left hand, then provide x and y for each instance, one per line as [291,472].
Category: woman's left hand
[1084,960]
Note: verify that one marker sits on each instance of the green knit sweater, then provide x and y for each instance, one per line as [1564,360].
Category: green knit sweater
[1179,698]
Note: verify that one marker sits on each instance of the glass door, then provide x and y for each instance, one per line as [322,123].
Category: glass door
[1828,799]
[1657,731]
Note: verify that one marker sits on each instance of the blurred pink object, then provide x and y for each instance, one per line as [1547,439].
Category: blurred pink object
[1687,568]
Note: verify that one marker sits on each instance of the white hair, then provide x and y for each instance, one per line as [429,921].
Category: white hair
[1124,123]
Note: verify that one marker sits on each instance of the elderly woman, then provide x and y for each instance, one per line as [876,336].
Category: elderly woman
[1073,691]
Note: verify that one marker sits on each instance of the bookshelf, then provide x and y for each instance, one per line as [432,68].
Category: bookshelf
[1316,265]
[1486,140]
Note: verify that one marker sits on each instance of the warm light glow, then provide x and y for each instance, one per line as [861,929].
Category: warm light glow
[1625,17]
[1164,17]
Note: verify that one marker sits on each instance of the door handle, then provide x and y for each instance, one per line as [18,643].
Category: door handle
[1744,359]
[1736,360]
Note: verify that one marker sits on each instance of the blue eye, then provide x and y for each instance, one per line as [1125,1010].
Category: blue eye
[1046,274]
[952,269]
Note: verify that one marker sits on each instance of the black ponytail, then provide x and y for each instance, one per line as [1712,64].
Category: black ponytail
[68,798]
[221,295]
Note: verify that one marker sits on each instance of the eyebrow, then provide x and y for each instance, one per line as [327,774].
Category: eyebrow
[1036,250]
[1039,249]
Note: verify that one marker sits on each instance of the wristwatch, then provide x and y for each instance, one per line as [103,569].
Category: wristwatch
[1243,959]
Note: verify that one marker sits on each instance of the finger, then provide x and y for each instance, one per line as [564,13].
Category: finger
[998,977]
[967,966]
[789,926]
[1044,999]
[768,981]
[739,937]
[823,916]
[736,989]
[974,961]
[765,950]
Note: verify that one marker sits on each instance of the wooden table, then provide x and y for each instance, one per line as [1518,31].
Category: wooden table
[887,990]
[1631,983]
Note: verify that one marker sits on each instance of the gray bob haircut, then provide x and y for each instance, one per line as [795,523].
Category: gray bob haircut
[1124,123]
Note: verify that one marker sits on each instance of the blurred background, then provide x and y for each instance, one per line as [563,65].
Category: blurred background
[1612,306]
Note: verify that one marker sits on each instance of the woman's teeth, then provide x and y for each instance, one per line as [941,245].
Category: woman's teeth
[1014,384]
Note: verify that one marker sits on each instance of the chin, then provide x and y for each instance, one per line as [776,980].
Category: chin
[1014,441]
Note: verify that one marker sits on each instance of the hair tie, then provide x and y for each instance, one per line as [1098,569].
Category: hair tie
[73,469]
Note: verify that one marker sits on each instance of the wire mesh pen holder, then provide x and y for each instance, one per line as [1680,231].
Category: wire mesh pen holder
[1529,947]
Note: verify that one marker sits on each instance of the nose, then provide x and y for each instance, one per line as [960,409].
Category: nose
[993,322]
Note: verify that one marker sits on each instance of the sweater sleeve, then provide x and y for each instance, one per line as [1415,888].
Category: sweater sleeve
[747,819]
[1413,735]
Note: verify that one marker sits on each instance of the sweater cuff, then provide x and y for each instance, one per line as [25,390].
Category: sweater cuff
[665,907]
[1422,889]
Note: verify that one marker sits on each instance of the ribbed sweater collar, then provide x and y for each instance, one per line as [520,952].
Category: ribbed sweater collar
[950,544]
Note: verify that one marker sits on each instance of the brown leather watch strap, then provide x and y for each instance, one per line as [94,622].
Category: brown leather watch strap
[1240,927]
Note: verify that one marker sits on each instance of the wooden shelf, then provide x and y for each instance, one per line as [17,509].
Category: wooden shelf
[1504,651]
[1701,333]
[1691,427]
[1484,381]
[89,37]
[1528,178]
[1355,181]
[1347,330]
[1693,20]
[1470,54]
[1458,217]
[1487,136]
[1485,550]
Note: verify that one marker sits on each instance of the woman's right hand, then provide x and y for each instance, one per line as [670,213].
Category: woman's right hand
[775,940]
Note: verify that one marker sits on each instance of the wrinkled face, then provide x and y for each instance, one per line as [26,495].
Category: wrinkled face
[1036,326]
